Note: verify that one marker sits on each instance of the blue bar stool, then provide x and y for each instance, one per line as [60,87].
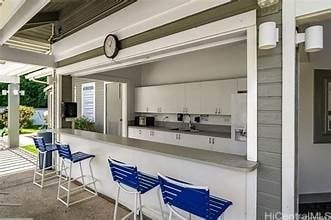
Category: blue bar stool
[128,175]
[73,158]
[44,173]
[195,200]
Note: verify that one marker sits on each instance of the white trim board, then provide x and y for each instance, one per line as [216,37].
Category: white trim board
[288,109]
[225,31]
[146,16]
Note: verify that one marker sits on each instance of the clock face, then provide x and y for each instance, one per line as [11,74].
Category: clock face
[111,46]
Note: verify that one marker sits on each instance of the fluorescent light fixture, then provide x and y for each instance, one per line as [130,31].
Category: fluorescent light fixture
[268,35]
[7,10]
[313,38]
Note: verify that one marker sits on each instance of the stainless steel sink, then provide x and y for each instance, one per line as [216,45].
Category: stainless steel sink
[185,130]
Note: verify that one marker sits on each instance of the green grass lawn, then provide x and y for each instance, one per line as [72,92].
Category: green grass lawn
[29,130]
[30,148]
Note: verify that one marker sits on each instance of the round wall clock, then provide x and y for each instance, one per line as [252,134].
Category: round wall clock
[111,46]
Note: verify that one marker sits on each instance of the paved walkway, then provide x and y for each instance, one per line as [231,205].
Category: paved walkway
[15,160]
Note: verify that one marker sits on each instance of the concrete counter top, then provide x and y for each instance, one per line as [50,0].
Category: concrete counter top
[212,158]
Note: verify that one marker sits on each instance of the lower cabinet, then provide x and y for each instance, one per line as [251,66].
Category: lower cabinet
[225,145]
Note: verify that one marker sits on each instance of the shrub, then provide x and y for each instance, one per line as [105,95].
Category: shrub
[25,116]
[83,123]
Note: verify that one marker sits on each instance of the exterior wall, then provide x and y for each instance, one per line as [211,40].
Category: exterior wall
[314,159]
[99,99]
[269,197]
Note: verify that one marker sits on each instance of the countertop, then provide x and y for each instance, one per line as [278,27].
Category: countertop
[200,132]
[212,158]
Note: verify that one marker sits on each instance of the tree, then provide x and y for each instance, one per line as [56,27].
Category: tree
[34,94]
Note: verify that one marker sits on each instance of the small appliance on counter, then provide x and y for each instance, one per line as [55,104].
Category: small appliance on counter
[144,121]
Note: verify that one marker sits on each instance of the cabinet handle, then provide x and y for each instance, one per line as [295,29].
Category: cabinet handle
[209,140]
[213,141]
[216,111]
[139,131]
[178,136]
[219,110]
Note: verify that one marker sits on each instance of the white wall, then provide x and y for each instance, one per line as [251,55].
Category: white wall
[208,64]
[314,159]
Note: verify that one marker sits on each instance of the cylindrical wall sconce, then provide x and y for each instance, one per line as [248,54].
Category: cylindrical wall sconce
[314,38]
[268,35]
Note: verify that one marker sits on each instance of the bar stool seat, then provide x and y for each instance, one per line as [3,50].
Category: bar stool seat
[128,175]
[66,186]
[79,156]
[195,200]
[44,172]
[50,147]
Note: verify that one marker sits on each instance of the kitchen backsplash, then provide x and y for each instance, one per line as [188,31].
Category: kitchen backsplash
[204,119]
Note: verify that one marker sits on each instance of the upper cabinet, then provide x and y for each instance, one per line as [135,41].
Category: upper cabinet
[210,97]
[216,96]
[192,96]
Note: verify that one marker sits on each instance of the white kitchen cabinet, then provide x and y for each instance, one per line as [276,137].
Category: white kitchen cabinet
[226,145]
[171,98]
[138,133]
[216,96]
[145,100]
[210,97]
[192,103]
[242,84]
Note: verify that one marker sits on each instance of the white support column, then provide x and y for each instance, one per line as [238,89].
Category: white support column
[289,202]
[13,115]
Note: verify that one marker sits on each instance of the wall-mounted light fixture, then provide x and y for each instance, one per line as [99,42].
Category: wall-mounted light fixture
[268,35]
[313,38]
[15,92]
[266,3]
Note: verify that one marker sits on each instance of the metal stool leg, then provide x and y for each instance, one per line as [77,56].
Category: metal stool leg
[92,176]
[69,184]
[82,174]
[60,178]
[43,169]
[135,206]
[116,202]
[35,171]
[140,207]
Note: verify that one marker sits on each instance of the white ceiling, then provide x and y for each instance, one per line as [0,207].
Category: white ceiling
[8,9]
[12,69]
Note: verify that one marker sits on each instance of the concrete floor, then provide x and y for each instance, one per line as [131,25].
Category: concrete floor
[42,204]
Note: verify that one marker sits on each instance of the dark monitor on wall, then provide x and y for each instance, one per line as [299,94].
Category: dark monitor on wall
[69,110]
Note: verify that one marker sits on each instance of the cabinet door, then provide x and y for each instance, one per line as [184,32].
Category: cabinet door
[140,99]
[226,89]
[172,98]
[137,133]
[195,141]
[146,99]
[192,98]
[210,97]
[242,84]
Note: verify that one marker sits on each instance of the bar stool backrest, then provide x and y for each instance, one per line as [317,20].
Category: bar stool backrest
[124,173]
[193,199]
[64,151]
[39,142]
